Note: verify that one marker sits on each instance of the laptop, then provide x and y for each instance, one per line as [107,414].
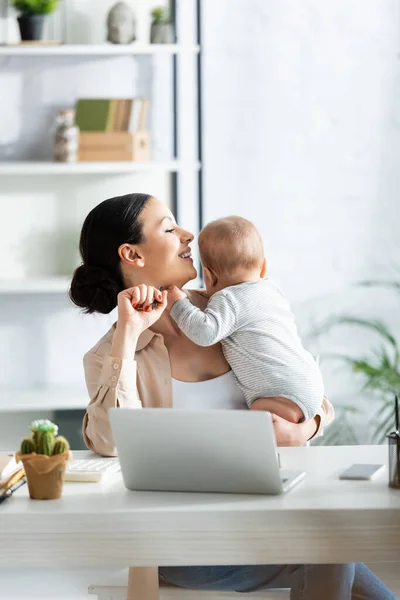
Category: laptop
[217,451]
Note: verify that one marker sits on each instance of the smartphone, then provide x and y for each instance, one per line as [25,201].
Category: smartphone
[361,472]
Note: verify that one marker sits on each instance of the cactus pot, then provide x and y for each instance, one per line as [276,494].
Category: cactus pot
[45,474]
[162,33]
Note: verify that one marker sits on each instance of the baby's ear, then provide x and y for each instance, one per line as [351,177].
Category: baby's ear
[263,271]
[209,277]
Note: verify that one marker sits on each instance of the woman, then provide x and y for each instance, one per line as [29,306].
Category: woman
[131,246]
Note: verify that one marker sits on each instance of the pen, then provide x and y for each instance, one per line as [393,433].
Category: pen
[155,302]
[12,489]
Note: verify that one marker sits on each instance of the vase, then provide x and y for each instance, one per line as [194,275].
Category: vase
[31,27]
[162,33]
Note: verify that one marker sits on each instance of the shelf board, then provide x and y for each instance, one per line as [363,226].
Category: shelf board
[96,49]
[23,168]
[43,285]
[42,399]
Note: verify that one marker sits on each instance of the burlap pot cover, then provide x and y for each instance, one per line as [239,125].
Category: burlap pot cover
[45,474]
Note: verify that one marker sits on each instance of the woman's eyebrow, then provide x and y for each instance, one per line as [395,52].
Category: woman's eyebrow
[169,219]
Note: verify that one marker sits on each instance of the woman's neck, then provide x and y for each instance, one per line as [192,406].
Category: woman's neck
[167,327]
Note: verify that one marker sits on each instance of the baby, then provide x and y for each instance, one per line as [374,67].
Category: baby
[252,319]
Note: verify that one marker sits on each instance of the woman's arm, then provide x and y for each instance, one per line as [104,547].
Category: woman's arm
[111,382]
[110,372]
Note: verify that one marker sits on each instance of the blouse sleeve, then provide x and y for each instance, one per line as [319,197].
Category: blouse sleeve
[111,382]
[324,416]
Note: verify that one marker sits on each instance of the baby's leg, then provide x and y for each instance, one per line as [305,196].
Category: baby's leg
[282,407]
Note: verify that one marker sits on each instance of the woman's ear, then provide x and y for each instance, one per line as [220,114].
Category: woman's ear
[263,269]
[130,256]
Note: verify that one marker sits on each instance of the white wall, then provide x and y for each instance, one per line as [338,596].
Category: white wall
[302,135]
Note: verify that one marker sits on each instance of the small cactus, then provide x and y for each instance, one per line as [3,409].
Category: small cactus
[28,446]
[45,443]
[161,14]
[42,440]
[44,425]
[60,445]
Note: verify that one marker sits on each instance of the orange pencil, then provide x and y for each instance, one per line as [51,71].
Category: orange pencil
[12,480]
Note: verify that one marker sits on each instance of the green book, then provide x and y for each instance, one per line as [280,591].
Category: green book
[92,114]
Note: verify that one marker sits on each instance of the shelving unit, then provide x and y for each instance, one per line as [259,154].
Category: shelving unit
[135,49]
[42,399]
[183,176]
[42,285]
[23,169]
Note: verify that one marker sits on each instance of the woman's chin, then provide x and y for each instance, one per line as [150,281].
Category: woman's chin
[184,278]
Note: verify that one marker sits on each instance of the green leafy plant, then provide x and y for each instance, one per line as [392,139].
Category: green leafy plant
[43,440]
[35,7]
[378,371]
[161,15]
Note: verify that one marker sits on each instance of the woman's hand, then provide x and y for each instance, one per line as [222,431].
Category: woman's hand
[135,307]
[293,434]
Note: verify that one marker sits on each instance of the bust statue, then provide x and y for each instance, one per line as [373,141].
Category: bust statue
[121,24]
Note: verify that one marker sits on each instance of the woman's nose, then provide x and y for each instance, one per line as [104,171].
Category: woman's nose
[186,236]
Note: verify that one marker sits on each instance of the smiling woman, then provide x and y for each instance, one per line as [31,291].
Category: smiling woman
[131,246]
[127,241]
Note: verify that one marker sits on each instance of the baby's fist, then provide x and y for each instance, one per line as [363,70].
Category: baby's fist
[174,294]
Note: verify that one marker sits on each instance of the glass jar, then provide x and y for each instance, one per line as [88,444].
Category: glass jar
[66,141]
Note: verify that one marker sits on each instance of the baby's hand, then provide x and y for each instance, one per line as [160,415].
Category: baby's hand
[174,294]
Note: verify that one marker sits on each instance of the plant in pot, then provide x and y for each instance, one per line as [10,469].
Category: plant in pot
[32,15]
[45,458]
[378,371]
[162,29]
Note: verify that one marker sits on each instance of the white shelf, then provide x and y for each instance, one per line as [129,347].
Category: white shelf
[45,285]
[96,50]
[23,168]
[42,399]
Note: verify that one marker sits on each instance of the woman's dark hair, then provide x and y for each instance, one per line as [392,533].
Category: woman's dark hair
[97,282]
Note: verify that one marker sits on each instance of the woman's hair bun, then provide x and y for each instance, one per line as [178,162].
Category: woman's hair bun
[94,290]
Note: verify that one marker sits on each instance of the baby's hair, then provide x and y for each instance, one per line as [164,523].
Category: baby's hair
[231,244]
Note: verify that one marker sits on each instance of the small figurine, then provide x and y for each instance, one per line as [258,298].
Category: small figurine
[121,24]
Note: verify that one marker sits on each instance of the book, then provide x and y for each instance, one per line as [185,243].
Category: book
[143,115]
[136,111]
[93,114]
[112,116]
[8,469]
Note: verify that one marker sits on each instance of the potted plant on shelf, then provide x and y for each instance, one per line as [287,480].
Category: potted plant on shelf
[32,15]
[45,458]
[162,29]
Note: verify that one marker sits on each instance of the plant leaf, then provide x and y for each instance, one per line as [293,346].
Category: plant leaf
[373,325]
[395,285]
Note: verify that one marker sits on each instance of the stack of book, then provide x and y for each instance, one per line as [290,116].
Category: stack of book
[112,129]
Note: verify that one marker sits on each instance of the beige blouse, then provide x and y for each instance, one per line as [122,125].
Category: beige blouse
[144,381]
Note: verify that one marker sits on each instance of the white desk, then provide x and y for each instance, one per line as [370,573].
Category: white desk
[322,520]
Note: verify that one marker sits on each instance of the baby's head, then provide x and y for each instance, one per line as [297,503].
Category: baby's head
[231,252]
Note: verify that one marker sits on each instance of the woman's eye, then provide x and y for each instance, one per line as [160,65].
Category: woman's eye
[170,230]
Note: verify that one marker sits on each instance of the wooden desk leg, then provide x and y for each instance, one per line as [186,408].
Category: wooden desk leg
[143,583]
